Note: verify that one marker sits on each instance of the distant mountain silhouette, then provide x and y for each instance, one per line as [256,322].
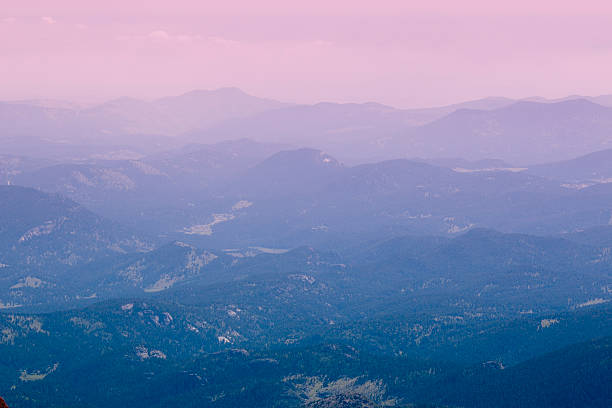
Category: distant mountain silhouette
[128,116]
[521,133]
[529,131]
[347,130]
[605,100]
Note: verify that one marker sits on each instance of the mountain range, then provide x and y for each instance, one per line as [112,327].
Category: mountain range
[217,249]
[499,128]
[246,193]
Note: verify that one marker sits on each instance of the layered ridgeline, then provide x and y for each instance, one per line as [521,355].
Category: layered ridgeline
[259,274]
[126,122]
[64,254]
[384,323]
[128,127]
[390,323]
[249,194]
[540,130]
[522,132]
[159,192]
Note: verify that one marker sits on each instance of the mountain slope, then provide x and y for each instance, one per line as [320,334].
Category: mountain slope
[38,227]
[354,132]
[591,168]
[290,172]
[43,236]
[111,121]
[171,355]
[200,108]
[522,133]
[578,375]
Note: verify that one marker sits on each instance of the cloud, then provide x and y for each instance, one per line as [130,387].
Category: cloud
[48,20]
[80,26]
[9,20]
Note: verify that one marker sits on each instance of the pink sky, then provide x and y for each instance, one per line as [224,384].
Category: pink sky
[406,54]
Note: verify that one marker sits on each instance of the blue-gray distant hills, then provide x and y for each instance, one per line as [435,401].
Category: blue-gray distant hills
[522,133]
[594,167]
[124,123]
[221,250]
[256,194]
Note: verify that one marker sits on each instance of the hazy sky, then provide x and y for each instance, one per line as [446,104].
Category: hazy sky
[402,53]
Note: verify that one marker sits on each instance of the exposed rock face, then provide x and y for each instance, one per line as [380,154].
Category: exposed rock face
[2,403]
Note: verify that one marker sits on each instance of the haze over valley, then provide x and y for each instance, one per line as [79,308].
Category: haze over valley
[305,206]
